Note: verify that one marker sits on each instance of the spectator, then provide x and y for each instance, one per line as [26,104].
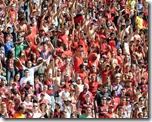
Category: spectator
[87,113]
[95,53]
[19,112]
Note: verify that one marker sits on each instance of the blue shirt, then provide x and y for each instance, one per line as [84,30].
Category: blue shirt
[8,46]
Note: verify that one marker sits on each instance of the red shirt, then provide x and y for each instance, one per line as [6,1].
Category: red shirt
[84,105]
[104,74]
[18,64]
[34,50]
[12,15]
[49,83]
[93,86]
[120,59]
[65,39]
[77,62]
[83,94]
[102,110]
[115,101]
[31,38]
[112,43]
[67,53]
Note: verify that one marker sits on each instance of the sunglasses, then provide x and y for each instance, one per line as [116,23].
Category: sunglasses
[35,106]
[104,99]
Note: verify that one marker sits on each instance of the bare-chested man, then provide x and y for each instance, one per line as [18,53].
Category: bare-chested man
[78,86]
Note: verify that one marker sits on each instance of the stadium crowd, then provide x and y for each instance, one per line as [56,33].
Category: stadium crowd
[74,59]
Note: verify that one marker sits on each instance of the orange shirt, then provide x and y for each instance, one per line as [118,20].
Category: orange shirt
[17,115]
[12,15]
[34,30]
[77,62]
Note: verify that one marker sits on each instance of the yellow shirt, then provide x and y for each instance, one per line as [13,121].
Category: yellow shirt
[17,115]
[139,22]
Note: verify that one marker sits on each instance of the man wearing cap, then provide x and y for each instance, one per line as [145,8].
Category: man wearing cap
[26,87]
[78,86]
[46,96]
[67,107]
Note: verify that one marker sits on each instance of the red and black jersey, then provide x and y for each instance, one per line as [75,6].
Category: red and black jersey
[85,105]
[102,110]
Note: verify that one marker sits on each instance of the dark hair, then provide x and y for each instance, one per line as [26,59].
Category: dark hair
[81,66]
[144,108]
[26,94]
[14,91]
[113,92]
[17,74]
[26,70]
[20,107]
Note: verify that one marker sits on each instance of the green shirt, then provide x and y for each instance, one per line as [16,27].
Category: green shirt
[18,48]
[85,116]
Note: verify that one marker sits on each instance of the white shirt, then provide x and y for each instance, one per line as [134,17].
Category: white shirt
[129,110]
[25,79]
[126,48]
[46,97]
[37,115]
[119,89]
[31,72]
[26,104]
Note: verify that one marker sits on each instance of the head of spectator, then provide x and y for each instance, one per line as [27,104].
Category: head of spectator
[104,100]
[140,115]
[64,114]
[79,80]
[86,87]
[28,84]
[144,111]
[21,109]
[27,97]
[3,110]
[141,101]
[3,82]
[123,101]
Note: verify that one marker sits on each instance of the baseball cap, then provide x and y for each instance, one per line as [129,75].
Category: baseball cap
[104,56]
[78,78]
[29,83]
[57,103]
[59,40]
[46,39]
